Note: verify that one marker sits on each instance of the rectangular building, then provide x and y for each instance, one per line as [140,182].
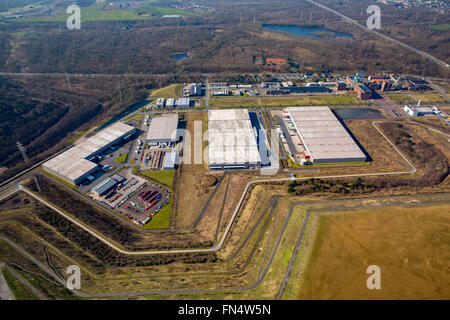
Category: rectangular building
[104,187]
[195,90]
[323,136]
[183,103]
[417,110]
[341,86]
[362,91]
[160,103]
[232,141]
[170,103]
[163,129]
[74,166]
[170,160]
[308,89]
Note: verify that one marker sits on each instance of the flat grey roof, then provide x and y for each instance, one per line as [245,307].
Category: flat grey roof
[163,128]
[104,186]
[323,135]
[72,163]
[231,138]
[170,159]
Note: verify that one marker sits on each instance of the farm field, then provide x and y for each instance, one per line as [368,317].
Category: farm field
[30,224]
[98,13]
[410,245]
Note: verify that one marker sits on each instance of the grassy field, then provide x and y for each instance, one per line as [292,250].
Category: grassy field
[59,179]
[414,98]
[171,91]
[411,245]
[401,98]
[253,102]
[17,288]
[161,219]
[122,158]
[137,117]
[163,176]
[97,13]
[442,26]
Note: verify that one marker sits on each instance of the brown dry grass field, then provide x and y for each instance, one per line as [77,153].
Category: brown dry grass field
[194,187]
[195,183]
[410,245]
[384,157]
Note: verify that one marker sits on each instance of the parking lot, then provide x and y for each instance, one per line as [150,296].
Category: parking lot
[135,198]
[107,165]
[153,158]
[145,202]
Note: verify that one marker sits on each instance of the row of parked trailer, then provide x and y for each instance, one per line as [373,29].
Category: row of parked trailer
[150,198]
[129,195]
[142,202]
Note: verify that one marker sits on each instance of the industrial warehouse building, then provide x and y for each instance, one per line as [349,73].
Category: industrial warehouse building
[74,166]
[107,185]
[324,136]
[163,129]
[170,160]
[160,103]
[104,187]
[232,141]
[182,103]
[418,110]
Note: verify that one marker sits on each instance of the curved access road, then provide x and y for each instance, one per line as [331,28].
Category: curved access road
[219,245]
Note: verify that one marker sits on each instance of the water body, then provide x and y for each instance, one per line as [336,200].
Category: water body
[180,57]
[313,32]
[358,113]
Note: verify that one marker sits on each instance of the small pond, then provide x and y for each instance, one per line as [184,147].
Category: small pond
[180,56]
[313,32]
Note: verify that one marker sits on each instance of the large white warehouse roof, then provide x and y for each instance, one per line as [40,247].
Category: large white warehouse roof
[72,165]
[163,128]
[324,136]
[232,141]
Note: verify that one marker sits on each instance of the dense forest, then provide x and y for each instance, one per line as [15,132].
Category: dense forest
[41,112]
[223,41]
[44,113]
[416,26]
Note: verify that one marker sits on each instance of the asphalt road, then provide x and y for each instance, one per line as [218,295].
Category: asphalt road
[134,145]
[219,245]
[404,45]
[130,294]
[258,282]
[214,248]
[438,89]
